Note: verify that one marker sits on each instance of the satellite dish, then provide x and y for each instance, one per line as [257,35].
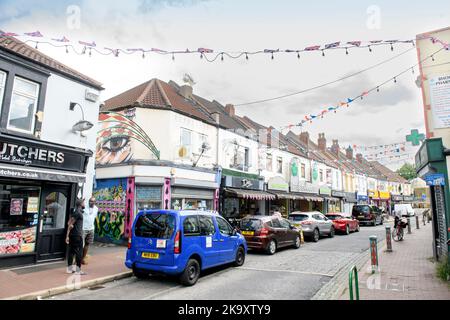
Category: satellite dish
[188,79]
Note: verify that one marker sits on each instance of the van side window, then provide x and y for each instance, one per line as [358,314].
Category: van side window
[191,226]
[224,227]
[206,225]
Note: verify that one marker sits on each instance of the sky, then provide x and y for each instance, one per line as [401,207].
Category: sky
[236,25]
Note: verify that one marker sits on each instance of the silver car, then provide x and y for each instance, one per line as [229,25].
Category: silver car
[314,224]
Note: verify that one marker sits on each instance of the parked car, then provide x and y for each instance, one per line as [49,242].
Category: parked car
[405,209]
[269,233]
[182,243]
[314,224]
[344,224]
[367,214]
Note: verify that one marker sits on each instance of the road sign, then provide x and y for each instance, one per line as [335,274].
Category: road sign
[437,179]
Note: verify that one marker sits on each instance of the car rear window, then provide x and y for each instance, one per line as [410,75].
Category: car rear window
[298,217]
[334,216]
[360,209]
[155,225]
[251,224]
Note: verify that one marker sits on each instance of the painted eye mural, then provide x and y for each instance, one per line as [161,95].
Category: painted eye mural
[114,138]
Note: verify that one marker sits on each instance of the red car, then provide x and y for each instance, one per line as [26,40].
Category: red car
[344,224]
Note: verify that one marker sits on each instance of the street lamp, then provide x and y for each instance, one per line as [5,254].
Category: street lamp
[82,125]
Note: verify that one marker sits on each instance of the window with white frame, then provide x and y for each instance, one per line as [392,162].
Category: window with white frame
[321,175]
[2,87]
[186,141]
[269,162]
[303,170]
[23,106]
[279,165]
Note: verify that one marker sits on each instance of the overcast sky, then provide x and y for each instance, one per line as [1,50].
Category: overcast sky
[237,25]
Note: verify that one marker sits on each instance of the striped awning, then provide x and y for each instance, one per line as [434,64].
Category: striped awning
[307,197]
[250,194]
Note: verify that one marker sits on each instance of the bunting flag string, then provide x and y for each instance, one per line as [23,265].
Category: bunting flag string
[345,104]
[337,45]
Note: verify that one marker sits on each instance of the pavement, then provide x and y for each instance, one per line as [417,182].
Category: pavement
[105,264]
[406,273]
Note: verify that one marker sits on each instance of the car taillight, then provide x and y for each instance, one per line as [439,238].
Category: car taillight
[129,243]
[264,231]
[306,222]
[177,247]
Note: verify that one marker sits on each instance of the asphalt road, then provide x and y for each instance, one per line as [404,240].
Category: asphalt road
[289,274]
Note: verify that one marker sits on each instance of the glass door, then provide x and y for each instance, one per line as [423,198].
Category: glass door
[52,223]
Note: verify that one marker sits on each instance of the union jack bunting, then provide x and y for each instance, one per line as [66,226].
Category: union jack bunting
[63,39]
[376,41]
[332,45]
[34,34]
[205,50]
[312,48]
[158,50]
[8,34]
[354,43]
[87,44]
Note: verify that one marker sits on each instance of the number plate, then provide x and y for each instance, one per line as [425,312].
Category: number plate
[248,233]
[150,255]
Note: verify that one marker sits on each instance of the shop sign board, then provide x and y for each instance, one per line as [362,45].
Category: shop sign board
[325,191]
[278,183]
[437,179]
[440,100]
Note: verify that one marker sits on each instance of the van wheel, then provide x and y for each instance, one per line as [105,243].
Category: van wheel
[191,273]
[240,257]
[272,247]
[140,274]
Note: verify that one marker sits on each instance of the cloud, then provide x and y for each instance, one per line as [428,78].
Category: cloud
[146,6]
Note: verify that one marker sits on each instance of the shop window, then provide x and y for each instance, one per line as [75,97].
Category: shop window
[279,165]
[2,87]
[23,106]
[148,197]
[303,170]
[269,162]
[55,211]
[321,175]
[186,141]
[191,204]
[19,207]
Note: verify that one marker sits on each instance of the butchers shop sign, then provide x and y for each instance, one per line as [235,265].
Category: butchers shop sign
[29,153]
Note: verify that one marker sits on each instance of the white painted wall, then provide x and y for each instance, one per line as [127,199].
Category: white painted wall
[58,119]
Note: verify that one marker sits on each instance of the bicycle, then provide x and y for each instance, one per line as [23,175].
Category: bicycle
[398,233]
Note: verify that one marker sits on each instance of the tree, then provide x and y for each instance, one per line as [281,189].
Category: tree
[407,171]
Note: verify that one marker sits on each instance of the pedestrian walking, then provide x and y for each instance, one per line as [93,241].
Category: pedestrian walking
[89,215]
[74,238]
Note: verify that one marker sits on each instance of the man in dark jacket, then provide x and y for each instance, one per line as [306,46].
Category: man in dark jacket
[74,237]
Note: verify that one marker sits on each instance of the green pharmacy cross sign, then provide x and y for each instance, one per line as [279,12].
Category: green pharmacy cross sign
[415,137]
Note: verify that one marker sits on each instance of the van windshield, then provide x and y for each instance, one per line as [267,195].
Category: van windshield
[155,225]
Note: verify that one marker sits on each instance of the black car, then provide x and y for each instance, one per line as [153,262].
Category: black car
[367,214]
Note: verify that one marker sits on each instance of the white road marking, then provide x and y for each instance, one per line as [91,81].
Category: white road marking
[288,271]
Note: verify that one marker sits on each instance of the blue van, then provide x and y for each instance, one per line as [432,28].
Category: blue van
[182,243]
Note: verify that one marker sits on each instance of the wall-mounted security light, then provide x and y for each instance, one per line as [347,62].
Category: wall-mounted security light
[82,125]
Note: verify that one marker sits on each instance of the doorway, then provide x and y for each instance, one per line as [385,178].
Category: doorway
[55,204]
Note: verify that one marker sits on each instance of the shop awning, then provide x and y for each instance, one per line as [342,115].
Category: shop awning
[250,194]
[285,195]
[307,197]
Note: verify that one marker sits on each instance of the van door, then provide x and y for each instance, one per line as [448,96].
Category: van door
[227,242]
[209,241]
[154,235]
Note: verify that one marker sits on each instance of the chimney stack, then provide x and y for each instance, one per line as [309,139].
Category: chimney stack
[186,91]
[304,137]
[322,142]
[349,153]
[216,117]
[229,108]
[335,148]
[359,157]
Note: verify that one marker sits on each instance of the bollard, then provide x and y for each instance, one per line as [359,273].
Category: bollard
[353,272]
[409,225]
[388,239]
[417,222]
[373,253]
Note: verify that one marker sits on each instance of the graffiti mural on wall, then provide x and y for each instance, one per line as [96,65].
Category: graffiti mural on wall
[115,135]
[111,201]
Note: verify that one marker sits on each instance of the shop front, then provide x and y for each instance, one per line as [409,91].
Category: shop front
[381,199]
[242,194]
[433,166]
[306,197]
[350,199]
[362,198]
[330,202]
[39,182]
[338,204]
[279,187]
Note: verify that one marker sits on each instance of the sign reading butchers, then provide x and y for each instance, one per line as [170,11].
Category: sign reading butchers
[38,154]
